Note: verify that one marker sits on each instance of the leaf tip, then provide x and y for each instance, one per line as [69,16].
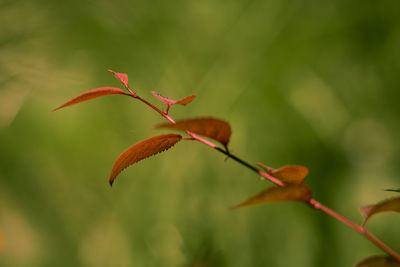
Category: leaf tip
[366,210]
[122,77]
[186,100]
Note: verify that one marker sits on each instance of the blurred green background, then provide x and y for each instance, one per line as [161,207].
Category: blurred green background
[301,82]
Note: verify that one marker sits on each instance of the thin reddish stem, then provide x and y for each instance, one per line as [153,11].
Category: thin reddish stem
[152,106]
[204,141]
[271,178]
[165,115]
[382,245]
[315,204]
[356,227]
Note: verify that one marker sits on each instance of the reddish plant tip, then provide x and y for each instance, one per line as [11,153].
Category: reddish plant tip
[164,99]
[184,101]
[122,77]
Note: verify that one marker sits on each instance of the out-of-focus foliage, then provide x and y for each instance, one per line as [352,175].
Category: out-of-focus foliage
[312,83]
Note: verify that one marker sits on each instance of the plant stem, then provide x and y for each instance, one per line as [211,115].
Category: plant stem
[152,106]
[251,167]
[356,227]
[313,203]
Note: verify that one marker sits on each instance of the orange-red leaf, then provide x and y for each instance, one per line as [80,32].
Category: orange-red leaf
[170,102]
[94,93]
[294,174]
[164,99]
[185,100]
[291,174]
[378,261]
[122,77]
[210,127]
[392,204]
[292,192]
[142,150]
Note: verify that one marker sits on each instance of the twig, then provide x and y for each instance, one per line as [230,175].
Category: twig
[313,203]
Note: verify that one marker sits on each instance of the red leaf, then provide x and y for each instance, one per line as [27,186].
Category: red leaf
[142,150]
[94,93]
[213,128]
[378,261]
[392,204]
[170,102]
[293,192]
[164,99]
[185,100]
[291,174]
[122,77]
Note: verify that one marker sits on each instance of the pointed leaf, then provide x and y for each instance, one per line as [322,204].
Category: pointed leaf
[185,100]
[164,99]
[379,261]
[392,204]
[122,77]
[291,174]
[142,150]
[94,93]
[210,127]
[170,102]
[292,192]
[294,174]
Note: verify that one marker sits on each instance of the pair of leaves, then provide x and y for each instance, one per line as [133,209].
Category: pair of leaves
[210,127]
[291,174]
[216,129]
[170,102]
[123,78]
[379,261]
[294,189]
[392,204]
